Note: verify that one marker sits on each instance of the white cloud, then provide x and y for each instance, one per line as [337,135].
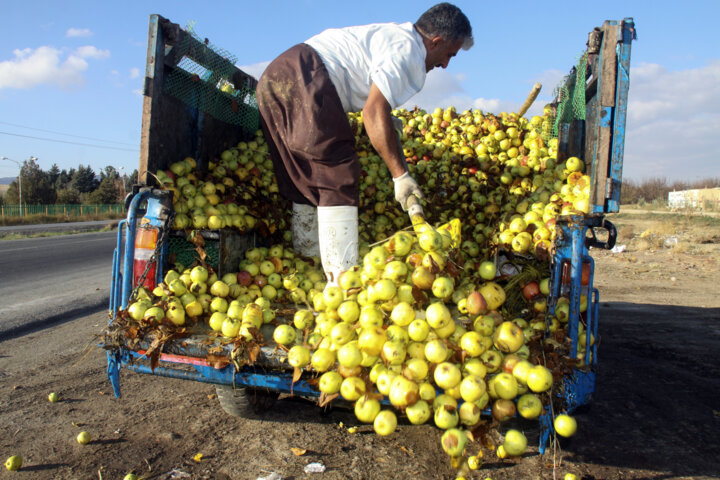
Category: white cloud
[134,73]
[255,70]
[89,51]
[443,89]
[48,65]
[78,32]
[672,124]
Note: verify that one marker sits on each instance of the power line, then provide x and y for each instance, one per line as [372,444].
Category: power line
[66,134]
[71,143]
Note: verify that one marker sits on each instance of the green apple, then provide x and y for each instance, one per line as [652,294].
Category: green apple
[385,422]
[83,438]
[515,443]
[565,425]
[13,463]
[453,442]
[367,409]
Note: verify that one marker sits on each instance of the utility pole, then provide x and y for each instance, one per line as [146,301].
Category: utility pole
[19,181]
[124,183]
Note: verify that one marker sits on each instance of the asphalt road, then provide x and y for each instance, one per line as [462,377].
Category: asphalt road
[52,279]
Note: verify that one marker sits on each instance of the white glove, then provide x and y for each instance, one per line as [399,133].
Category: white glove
[405,186]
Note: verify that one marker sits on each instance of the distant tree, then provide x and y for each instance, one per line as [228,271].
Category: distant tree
[657,189]
[133,178]
[68,196]
[109,172]
[36,186]
[11,195]
[84,179]
[64,179]
[53,174]
[109,191]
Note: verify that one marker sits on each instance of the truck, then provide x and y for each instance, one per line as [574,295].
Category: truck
[197,103]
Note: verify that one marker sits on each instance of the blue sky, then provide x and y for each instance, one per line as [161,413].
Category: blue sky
[72,71]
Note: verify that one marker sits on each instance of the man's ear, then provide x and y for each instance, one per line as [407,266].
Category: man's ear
[437,41]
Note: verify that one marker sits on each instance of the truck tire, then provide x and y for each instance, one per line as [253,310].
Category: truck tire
[243,401]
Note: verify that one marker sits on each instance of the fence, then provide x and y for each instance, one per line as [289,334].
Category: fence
[66,210]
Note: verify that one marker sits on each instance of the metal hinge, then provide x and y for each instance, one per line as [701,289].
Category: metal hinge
[609,186]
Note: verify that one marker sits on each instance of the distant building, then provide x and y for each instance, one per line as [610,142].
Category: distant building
[707,199]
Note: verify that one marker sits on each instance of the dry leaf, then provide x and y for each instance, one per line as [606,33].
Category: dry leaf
[488,442]
[419,296]
[325,399]
[198,457]
[297,373]
[132,332]
[452,270]
[253,353]
[217,361]
[298,451]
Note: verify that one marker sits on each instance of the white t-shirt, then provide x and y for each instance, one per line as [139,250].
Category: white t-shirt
[390,55]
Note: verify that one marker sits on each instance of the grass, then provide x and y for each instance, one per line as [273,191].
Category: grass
[21,236]
[670,217]
[681,232]
[40,219]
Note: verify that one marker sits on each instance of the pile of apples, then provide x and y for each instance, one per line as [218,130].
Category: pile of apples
[234,303]
[499,174]
[424,323]
[237,190]
[390,332]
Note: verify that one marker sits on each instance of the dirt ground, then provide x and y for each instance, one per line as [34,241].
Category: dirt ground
[655,413]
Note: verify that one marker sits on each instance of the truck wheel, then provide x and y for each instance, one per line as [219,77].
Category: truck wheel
[244,401]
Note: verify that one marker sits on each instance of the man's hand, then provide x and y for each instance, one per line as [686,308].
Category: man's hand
[405,186]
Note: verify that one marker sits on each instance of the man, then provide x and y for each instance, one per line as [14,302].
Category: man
[304,96]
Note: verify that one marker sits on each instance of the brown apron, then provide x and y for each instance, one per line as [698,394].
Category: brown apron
[309,137]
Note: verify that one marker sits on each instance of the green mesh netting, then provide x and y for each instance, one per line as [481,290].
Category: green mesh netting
[202,79]
[570,95]
[182,251]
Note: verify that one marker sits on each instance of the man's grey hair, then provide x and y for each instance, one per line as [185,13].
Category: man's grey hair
[447,21]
